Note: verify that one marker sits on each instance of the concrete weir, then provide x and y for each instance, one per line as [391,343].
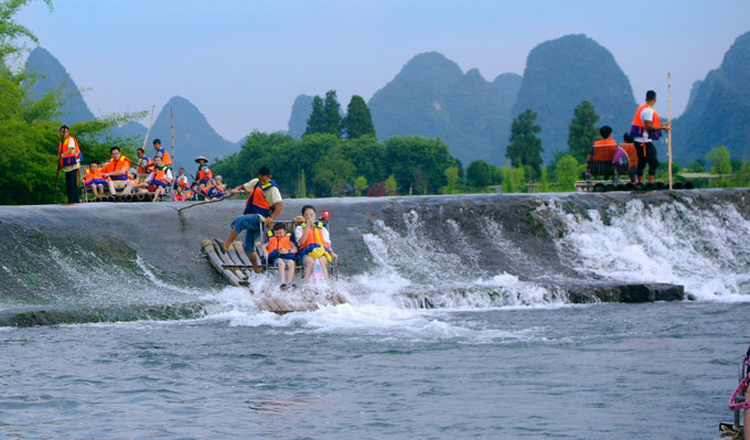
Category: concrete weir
[102,256]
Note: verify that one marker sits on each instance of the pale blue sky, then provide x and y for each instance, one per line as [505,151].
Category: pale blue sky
[242,63]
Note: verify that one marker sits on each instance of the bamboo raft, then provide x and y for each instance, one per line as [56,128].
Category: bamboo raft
[235,266]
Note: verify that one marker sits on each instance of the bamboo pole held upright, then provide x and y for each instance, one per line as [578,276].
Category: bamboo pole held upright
[145,140]
[669,136]
[171,123]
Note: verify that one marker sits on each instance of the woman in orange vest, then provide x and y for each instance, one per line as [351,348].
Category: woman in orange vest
[70,159]
[280,252]
[314,243]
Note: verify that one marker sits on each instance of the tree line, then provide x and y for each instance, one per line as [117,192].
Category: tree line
[337,156]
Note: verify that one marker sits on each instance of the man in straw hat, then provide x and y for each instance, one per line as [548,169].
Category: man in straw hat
[204,172]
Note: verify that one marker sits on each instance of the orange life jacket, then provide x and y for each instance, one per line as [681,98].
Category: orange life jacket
[204,173]
[143,163]
[256,202]
[637,128]
[123,163]
[66,157]
[605,143]
[166,159]
[160,176]
[93,177]
[313,240]
[183,182]
[275,243]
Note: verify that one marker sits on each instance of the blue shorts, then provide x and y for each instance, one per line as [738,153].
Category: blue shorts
[251,224]
[289,257]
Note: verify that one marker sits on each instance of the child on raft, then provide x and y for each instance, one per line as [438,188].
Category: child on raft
[314,243]
[281,252]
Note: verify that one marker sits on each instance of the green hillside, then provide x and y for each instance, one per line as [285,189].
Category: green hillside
[718,110]
[562,73]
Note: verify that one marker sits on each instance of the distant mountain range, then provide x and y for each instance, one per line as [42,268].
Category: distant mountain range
[432,97]
[718,110]
[193,135]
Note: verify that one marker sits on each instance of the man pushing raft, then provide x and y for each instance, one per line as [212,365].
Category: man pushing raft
[264,204]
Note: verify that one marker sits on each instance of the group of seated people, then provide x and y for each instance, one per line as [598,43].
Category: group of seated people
[607,146]
[309,243]
[152,176]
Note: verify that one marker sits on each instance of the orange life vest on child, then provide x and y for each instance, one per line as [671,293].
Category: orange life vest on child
[275,243]
[314,240]
[160,176]
[93,177]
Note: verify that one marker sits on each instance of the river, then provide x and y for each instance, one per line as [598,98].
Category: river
[145,341]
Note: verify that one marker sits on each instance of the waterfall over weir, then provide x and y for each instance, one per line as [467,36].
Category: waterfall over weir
[112,261]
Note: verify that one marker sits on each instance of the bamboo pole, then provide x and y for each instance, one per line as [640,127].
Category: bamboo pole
[669,135]
[145,140]
[171,123]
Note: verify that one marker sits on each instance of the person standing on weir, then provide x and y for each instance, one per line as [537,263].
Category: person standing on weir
[264,204]
[70,158]
[646,127]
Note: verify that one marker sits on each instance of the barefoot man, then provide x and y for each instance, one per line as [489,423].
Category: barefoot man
[263,205]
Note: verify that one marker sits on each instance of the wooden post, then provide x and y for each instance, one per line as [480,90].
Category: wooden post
[171,123]
[145,140]
[669,136]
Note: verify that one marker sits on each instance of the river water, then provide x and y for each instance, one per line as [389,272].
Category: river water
[501,357]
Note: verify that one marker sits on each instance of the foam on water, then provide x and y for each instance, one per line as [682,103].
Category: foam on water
[236,306]
[705,250]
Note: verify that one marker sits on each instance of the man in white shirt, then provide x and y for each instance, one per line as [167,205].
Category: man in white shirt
[646,127]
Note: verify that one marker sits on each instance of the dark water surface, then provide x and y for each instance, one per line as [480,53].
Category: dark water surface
[503,355]
[662,371]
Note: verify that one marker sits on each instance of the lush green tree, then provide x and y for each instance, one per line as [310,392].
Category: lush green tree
[11,32]
[722,164]
[360,185]
[302,185]
[317,123]
[418,163]
[514,180]
[525,147]
[582,131]
[368,156]
[544,181]
[332,111]
[333,173]
[479,174]
[30,127]
[391,186]
[451,178]
[699,166]
[720,159]
[358,121]
[741,177]
[567,173]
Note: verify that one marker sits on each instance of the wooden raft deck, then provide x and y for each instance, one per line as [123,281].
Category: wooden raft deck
[235,266]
